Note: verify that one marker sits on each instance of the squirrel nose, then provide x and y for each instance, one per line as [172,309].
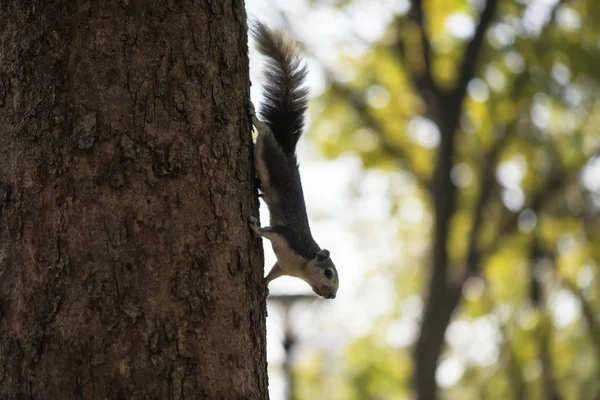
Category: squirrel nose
[332,296]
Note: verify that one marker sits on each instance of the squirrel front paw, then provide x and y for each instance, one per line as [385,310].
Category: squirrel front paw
[254,225]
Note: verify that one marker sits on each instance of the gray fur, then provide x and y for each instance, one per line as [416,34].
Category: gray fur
[283,111]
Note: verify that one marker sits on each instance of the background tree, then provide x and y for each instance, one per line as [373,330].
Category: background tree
[127,269]
[501,107]
[483,113]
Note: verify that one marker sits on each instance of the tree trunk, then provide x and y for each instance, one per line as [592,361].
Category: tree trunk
[127,269]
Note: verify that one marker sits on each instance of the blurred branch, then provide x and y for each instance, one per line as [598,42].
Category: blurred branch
[543,330]
[536,292]
[517,385]
[488,183]
[553,13]
[360,106]
[559,178]
[514,372]
[548,382]
[486,189]
[421,78]
[589,314]
[416,14]
[473,51]
[538,201]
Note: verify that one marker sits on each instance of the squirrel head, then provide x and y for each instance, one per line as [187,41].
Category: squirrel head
[322,275]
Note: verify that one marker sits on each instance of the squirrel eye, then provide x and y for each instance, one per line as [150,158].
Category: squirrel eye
[328,273]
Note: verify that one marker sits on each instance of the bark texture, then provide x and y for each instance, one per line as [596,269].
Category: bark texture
[127,269]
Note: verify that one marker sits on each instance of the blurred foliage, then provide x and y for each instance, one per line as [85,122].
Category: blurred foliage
[532,312]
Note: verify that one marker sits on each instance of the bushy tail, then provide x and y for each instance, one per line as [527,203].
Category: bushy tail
[285,92]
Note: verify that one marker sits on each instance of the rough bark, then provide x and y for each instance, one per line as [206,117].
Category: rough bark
[127,269]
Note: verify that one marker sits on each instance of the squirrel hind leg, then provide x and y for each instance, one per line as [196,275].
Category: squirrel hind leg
[261,126]
[261,168]
[258,184]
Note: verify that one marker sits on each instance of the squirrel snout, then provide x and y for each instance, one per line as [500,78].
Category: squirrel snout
[328,293]
[324,291]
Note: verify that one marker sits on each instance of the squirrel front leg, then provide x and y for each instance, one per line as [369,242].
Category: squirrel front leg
[266,231]
[275,273]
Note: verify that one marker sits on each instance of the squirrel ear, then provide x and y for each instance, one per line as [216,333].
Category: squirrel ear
[323,255]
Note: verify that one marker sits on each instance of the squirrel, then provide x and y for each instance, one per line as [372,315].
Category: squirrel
[279,129]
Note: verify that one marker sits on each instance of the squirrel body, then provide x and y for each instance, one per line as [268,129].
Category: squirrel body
[279,129]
